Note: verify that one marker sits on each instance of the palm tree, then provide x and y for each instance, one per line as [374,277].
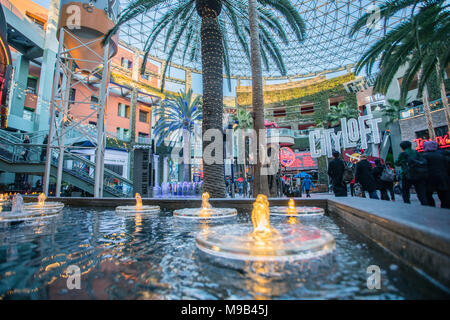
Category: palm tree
[177,116]
[423,51]
[208,32]
[342,110]
[392,110]
[243,120]
[260,183]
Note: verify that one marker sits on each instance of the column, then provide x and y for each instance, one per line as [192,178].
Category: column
[156,168]
[47,68]
[21,69]
[165,169]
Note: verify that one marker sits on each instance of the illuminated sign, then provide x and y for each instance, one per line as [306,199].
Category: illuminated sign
[297,160]
[323,141]
[287,156]
[443,142]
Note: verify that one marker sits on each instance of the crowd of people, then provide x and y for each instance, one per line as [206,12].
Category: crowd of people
[428,173]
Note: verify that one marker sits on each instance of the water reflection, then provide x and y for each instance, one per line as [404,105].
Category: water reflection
[142,257]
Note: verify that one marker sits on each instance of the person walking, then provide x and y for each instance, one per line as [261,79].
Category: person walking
[413,173]
[364,177]
[388,183]
[25,151]
[44,148]
[306,185]
[336,169]
[438,179]
[377,172]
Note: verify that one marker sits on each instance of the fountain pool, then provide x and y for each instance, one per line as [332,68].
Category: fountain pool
[155,257]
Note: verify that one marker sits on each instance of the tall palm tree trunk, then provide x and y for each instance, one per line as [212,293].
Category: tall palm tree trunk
[426,108]
[260,182]
[443,93]
[212,66]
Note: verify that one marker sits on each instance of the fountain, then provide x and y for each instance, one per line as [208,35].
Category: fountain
[206,211]
[287,242]
[138,208]
[292,211]
[20,211]
[44,207]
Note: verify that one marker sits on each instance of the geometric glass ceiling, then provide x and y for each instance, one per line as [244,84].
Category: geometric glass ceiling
[327,46]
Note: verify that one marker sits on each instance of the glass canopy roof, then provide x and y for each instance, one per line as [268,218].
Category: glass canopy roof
[327,46]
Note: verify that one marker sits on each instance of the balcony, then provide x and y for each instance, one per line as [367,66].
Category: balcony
[419,110]
[285,136]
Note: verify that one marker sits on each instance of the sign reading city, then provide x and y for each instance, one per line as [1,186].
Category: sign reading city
[354,132]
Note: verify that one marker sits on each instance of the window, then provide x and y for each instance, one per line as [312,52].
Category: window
[440,132]
[122,134]
[307,108]
[72,95]
[412,85]
[28,115]
[144,116]
[32,85]
[115,168]
[126,63]
[94,102]
[123,110]
[279,113]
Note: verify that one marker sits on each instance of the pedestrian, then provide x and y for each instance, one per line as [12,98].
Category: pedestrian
[26,140]
[352,187]
[413,173]
[44,148]
[336,169]
[306,185]
[438,179]
[364,177]
[377,171]
[388,182]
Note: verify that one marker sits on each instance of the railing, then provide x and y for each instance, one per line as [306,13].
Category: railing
[76,165]
[419,110]
[144,140]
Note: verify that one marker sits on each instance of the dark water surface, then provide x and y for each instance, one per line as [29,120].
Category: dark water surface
[156,258]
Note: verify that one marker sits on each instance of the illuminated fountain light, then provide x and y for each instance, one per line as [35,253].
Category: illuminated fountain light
[21,212]
[261,242]
[206,211]
[43,207]
[138,208]
[292,211]
[4,201]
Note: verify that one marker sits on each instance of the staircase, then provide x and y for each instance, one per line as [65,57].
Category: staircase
[77,170]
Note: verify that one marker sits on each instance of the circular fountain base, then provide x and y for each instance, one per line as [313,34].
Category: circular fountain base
[300,211]
[47,208]
[8,216]
[199,214]
[289,242]
[133,210]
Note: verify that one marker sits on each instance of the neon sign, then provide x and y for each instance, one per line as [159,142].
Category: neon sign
[287,157]
[442,141]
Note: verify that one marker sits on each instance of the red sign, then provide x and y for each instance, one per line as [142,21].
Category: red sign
[303,161]
[287,157]
[443,142]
